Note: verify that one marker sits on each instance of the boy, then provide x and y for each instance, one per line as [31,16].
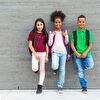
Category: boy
[81,45]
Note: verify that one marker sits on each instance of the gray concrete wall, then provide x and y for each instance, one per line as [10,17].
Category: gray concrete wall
[16,21]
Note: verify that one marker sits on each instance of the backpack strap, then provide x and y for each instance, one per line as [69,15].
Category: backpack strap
[87,37]
[53,41]
[62,36]
[75,38]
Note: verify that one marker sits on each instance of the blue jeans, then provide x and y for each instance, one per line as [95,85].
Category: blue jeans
[82,64]
[58,62]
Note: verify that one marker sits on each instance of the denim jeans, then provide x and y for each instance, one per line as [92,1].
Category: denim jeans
[58,62]
[82,64]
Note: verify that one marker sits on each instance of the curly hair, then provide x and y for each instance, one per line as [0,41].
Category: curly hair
[57,14]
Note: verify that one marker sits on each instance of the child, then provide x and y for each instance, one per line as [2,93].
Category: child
[81,44]
[59,53]
[39,49]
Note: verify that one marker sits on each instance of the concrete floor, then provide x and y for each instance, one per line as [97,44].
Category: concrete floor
[93,94]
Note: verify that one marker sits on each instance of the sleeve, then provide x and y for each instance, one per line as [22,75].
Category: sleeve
[66,38]
[50,40]
[30,36]
[71,38]
[90,38]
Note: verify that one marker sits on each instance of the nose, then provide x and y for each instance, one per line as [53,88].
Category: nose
[57,24]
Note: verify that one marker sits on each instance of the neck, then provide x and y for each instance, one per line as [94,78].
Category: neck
[39,31]
[81,29]
[57,29]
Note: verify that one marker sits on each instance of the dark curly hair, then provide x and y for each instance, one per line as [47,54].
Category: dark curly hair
[57,14]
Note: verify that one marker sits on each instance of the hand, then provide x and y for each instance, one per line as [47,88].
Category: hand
[37,56]
[64,33]
[46,59]
[69,56]
[78,55]
[84,55]
[54,33]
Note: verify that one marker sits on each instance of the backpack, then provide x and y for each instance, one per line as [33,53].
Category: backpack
[66,45]
[75,39]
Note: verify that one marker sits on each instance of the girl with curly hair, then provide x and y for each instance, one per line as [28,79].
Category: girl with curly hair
[58,38]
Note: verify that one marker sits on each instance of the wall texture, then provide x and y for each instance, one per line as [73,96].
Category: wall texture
[16,21]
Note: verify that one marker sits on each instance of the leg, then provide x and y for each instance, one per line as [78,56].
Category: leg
[34,63]
[61,77]
[42,73]
[42,68]
[88,62]
[80,67]
[55,61]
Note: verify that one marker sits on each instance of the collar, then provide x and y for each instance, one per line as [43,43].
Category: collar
[82,31]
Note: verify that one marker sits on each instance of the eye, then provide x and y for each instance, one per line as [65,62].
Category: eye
[37,24]
[59,22]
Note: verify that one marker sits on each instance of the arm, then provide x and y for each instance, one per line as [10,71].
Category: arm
[89,47]
[75,51]
[66,39]
[33,50]
[86,52]
[51,35]
[65,34]
[47,52]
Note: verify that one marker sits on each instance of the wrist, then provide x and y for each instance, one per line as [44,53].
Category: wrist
[46,56]
[66,36]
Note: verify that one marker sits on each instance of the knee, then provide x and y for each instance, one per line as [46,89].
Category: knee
[54,67]
[80,74]
[90,66]
[34,69]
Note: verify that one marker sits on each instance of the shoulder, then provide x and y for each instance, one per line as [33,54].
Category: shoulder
[30,35]
[89,31]
[74,32]
[52,30]
[65,30]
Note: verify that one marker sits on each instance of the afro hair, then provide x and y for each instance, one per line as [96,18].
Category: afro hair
[57,14]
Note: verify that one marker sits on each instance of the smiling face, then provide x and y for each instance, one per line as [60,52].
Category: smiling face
[58,23]
[39,26]
[81,23]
